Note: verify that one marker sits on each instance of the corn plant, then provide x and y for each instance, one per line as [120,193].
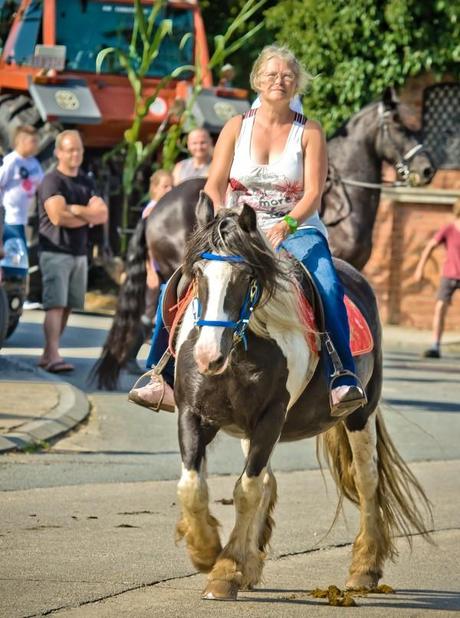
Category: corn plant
[148,33]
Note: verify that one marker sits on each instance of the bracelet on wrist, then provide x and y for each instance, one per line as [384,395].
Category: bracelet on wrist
[291,223]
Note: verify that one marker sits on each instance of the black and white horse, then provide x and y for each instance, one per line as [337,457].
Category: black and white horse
[349,209]
[263,386]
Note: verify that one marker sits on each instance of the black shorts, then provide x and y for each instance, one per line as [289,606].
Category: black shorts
[447,288]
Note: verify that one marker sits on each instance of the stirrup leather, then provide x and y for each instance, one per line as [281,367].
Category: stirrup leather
[339,372]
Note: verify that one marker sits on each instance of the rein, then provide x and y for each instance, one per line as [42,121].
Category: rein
[401,165]
[250,301]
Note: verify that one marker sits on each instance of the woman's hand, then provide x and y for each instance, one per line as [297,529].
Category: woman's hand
[278,233]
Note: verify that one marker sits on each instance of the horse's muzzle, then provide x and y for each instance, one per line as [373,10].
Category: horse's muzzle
[213,367]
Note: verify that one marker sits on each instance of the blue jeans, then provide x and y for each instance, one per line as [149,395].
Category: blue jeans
[159,345]
[310,247]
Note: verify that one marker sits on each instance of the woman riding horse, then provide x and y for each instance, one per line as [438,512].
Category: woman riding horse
[274,159]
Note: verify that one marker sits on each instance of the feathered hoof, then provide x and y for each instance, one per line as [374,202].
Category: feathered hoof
[358,581]
[220,590]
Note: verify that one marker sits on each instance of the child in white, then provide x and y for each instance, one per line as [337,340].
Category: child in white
[20,175]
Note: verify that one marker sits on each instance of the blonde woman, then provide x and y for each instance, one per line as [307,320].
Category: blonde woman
[274,159]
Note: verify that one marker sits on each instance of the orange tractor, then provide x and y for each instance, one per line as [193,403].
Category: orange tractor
[48,70]
[48,76]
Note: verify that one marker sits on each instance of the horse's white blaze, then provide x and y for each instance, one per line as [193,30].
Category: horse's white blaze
[188,322]
[207,348]
[297,354]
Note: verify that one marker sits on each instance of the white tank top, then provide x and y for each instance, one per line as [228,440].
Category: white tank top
[272,189]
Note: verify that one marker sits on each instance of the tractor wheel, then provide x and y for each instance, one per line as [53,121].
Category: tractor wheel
[15,110]
[18,109]
[4,315]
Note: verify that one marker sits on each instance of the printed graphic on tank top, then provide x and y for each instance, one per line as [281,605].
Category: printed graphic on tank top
[272,189]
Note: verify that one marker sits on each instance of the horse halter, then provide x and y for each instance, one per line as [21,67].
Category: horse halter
[401,165]
[249,303]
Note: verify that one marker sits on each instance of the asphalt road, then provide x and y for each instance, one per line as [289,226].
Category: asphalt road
[124,442]
[87,525]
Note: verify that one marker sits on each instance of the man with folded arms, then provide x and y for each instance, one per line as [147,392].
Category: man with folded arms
[68,205]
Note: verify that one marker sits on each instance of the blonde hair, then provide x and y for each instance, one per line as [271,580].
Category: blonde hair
[60,137]
[283,53]
[456,209]
[24,129]
[156,177]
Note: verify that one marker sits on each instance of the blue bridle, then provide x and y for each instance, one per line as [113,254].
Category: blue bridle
[250,301]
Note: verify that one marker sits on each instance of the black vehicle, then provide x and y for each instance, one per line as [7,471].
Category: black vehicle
[14,267]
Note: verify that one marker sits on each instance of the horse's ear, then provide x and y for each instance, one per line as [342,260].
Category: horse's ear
[247,219]
[204,209]
[390,98]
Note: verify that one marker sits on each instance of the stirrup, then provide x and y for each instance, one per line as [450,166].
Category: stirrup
[148,374]
[350,405]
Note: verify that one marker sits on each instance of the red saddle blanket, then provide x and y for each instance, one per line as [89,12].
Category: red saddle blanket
[361,340]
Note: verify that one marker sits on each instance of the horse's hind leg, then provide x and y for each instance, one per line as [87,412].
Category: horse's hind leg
[372,545]
[261,530]
[196,525]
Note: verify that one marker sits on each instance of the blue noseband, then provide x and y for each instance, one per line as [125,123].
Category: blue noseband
[250,301]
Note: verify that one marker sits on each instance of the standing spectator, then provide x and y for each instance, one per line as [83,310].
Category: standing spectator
[449,235]
[199,145]
[161,182]
[68,204]
[20,175]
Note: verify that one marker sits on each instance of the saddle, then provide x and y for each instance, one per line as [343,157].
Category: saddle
[179,293]
[361,340]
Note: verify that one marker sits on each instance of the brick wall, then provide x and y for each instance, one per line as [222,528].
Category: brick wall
[405,222]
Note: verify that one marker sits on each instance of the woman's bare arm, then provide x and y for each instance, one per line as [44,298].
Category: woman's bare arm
[315,172]
[216,185]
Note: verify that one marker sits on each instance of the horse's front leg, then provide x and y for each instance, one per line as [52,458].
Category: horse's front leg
[196,525]
[240,564]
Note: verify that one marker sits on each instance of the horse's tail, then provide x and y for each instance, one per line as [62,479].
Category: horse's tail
[130,307]
[401,500]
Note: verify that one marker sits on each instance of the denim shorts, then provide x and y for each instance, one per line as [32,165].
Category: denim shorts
[64,278]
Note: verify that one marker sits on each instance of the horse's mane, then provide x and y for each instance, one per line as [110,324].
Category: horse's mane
[344,129]
[279,306]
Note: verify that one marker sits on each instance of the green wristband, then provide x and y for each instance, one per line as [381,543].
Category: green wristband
[291,223]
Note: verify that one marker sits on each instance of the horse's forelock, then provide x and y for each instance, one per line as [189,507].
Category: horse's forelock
[224,235]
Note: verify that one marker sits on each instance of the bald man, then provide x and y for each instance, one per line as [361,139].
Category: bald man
[199,145]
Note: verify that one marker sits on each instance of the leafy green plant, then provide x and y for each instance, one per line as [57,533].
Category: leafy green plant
[148,34]
[356,48]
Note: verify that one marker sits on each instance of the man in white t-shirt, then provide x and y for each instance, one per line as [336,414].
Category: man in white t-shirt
[20,175]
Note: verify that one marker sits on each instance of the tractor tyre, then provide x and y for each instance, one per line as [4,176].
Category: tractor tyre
[4,315]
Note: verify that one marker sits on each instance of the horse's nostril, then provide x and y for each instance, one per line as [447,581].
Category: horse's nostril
[427,172]
[216,363]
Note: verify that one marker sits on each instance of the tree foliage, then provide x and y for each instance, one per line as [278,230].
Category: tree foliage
[218,16]
[355,48]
